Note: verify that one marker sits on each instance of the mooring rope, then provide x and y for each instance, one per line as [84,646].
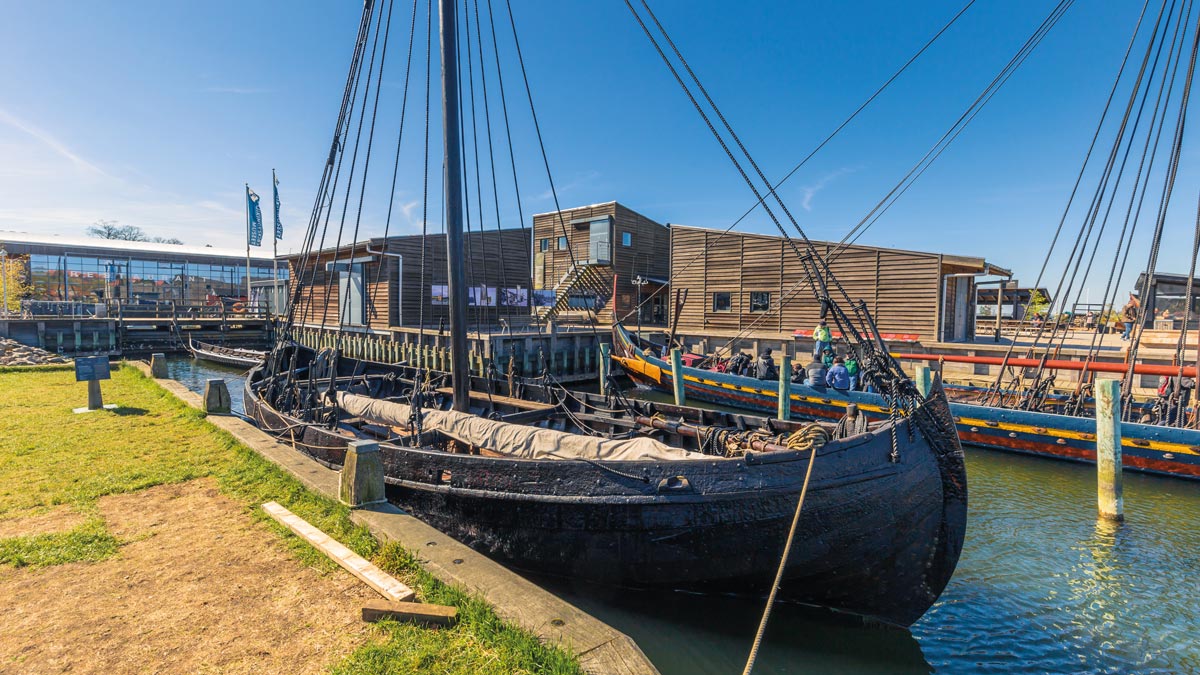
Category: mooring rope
[787,550]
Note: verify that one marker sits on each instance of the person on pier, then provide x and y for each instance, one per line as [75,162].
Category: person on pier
[1129,316]
[822,338]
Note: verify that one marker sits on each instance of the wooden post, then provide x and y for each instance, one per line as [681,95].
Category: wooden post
[158,366]
[785,388]
[603,366]
[1108,450]
[216,397]
[923,379]
[677,376]
[362,475]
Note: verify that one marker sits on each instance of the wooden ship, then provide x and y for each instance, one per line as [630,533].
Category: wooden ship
[603,489]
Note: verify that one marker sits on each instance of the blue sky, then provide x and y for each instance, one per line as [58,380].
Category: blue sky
[154,114]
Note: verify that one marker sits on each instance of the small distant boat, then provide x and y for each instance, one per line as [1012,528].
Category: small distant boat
[230,356]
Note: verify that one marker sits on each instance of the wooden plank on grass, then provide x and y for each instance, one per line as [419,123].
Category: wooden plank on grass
[355,564]
[377,610]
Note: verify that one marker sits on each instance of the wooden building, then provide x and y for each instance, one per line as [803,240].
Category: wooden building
[754,284]
[577,252]
[379,284]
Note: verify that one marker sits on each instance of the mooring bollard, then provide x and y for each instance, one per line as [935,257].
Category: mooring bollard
[362,475]
[604,365]
[216,397]
[158,366]
[923,378]
[1108,450]
[677,376]
[785,388]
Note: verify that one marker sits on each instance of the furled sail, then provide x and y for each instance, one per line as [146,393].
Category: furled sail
[515,440]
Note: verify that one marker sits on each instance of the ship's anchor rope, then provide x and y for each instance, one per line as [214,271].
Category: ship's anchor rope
[787,550]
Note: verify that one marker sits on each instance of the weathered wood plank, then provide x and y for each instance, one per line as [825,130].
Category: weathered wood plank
[387,585]
[414,612]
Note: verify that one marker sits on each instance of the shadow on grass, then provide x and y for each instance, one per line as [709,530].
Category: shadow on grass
[126,412]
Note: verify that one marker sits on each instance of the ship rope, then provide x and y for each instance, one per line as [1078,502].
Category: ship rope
[783,559]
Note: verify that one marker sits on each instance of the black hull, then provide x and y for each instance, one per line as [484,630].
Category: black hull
[877,538]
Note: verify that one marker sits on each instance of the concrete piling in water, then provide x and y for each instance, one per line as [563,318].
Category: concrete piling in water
[1108,450]
[923,378]
[361,480]
[677,376]
[603,366]
[785,389]
[216,397]
[158,366]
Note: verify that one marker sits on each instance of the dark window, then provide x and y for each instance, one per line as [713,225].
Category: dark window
[760,301]
[562,243]
[627,239]
[543,244]
[721,302]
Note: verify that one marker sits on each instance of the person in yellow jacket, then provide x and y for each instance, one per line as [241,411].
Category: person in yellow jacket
[822,338]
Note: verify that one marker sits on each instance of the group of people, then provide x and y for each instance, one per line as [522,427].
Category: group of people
[827,368]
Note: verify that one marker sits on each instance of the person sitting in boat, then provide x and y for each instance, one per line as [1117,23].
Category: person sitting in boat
[816,373]
[798,373]
[822,338]
[838,376]
[827,357]
[764,368]
[852,369]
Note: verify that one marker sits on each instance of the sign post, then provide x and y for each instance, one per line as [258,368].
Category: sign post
[92,369]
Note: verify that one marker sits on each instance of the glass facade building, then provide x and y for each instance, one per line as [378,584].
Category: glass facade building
[96,270]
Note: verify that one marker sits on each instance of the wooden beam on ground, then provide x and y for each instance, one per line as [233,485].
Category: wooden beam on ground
[381,581]
[416,612]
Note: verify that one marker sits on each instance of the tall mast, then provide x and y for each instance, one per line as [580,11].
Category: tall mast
[448,13]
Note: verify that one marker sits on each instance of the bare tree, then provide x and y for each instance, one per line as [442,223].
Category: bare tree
[111,229]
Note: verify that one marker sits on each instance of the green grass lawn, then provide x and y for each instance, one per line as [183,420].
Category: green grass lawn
[50,457]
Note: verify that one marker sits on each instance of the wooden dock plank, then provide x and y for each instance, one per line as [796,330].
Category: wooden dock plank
[384,583]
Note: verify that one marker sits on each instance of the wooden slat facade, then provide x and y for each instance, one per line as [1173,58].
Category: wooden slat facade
[902,289]
[397,292]
[646,255]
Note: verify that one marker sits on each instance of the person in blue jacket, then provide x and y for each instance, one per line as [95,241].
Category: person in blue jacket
[838,377]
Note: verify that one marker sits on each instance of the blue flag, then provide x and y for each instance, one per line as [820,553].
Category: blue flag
[278,225]
[256,226]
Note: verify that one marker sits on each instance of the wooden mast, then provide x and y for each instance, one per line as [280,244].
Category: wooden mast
[452,176]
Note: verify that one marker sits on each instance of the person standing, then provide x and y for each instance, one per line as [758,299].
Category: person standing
[1129,317]
[822,338]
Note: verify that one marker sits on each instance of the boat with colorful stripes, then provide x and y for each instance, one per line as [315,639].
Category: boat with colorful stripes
[1149,448]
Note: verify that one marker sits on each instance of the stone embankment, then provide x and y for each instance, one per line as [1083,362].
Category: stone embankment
[13,353]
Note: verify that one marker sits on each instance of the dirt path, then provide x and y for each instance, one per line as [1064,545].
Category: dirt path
[201,588]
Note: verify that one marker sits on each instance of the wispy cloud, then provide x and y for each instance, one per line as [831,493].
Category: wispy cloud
[579,181]
[237,90]
[810,191]
[50,141]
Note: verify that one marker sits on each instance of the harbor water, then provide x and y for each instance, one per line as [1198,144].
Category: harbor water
[1043,586]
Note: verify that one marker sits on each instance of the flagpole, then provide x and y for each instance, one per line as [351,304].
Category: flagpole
[247,305]
[275,245]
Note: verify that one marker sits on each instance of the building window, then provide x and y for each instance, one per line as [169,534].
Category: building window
[543,244]
[627,239]
[722,302]
[562,243]
[760,301]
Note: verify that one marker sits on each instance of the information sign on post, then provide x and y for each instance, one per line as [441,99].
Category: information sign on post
[92,369]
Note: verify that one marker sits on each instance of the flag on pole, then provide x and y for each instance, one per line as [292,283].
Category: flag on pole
[278,225]
[256,225]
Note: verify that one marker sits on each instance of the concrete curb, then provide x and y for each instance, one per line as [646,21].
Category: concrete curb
[600,648]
